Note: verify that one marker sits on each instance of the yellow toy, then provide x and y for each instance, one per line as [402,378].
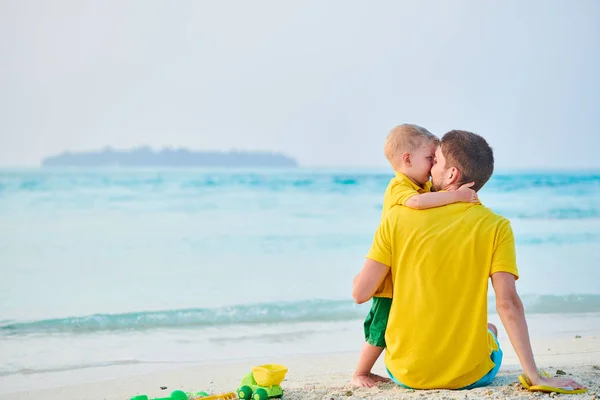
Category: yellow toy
[224,396]
[263,382]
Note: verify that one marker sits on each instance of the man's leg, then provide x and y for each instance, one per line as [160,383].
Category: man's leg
[493,328]
[496,357]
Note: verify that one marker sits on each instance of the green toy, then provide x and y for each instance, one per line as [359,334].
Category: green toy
[262,383]
[175,395]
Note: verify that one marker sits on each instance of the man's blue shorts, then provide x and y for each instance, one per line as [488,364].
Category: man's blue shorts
[495,356]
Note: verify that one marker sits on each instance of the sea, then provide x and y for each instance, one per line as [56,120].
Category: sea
[127,271]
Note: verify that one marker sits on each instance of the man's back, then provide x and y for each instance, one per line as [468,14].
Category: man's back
[441,260]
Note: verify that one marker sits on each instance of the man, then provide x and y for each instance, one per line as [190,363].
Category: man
[440,259]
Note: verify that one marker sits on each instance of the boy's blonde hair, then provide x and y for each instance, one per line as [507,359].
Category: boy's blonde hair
[406,138]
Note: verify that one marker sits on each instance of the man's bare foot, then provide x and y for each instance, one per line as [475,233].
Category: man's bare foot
[368,380]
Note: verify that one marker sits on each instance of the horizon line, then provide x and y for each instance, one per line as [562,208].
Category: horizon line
[298,166]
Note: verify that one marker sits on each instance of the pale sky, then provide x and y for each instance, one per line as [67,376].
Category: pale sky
[322,81]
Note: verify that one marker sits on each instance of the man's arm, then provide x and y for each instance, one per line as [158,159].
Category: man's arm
[368,280]
[437,199]
[511,312]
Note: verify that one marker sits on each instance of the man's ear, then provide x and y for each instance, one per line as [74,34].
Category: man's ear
[454,176]
[406,158]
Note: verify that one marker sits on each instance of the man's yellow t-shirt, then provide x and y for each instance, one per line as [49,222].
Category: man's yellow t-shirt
[398,191]
[440,262]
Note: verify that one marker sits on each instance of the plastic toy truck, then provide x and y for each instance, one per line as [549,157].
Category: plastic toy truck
[262,383]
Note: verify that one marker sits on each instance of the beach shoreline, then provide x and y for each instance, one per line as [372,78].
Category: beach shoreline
[314,376]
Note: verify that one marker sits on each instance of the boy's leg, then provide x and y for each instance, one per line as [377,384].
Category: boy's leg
[375,326]
[363,375]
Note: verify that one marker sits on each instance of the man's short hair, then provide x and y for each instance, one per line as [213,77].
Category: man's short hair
[406,138]
[471,154]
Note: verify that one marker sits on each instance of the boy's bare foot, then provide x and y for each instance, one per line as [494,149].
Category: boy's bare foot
[368,380]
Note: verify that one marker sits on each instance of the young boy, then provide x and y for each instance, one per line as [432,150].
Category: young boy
[410,149]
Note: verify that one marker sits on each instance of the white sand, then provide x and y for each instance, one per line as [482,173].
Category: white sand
[326,377]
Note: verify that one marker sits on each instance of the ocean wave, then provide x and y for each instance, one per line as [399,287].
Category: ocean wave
[568,304]
[300,311]
[550,196]
[33,180]
[70,367]
[265,313]
[560,180]
[558,239]
[568,212]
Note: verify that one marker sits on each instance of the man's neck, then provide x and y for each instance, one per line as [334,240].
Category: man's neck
[447,188]
[451,187]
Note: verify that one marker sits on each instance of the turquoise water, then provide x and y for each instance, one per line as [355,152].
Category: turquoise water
[110,267]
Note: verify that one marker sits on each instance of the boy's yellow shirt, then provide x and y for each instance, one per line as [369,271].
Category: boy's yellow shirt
[440,261]
[398,191]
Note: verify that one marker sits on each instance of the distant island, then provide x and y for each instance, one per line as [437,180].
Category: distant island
[146,157]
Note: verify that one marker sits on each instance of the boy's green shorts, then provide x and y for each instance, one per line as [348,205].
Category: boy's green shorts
[377,320]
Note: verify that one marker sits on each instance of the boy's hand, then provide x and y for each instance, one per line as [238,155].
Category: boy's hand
[466,194]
